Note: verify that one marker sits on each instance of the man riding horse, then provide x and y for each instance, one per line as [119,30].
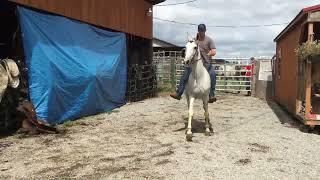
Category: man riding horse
[208,50]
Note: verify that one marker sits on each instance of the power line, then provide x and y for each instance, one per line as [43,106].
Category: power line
[176,22]
[220,26]
[174,4]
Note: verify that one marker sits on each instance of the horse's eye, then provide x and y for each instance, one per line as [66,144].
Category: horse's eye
[195,47]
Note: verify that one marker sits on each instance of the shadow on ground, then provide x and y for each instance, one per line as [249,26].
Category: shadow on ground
[198,126]
[289,121]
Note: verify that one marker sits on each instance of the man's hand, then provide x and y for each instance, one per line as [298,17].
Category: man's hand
[212,52]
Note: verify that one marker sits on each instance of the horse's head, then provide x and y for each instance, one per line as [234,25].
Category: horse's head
[192,52]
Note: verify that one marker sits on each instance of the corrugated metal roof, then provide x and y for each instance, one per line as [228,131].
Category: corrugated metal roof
[312,8]
[302,13]
[163,43]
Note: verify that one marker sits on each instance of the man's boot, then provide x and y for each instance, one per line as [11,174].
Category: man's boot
[212,99]
[175,96]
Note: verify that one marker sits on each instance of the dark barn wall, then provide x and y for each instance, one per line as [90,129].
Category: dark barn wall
[9,26]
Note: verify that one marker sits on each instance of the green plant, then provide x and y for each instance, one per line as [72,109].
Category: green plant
[165,89]
[112,111]
[69,123]
[308,49]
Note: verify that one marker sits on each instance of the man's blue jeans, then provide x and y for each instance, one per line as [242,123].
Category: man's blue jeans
[185,77]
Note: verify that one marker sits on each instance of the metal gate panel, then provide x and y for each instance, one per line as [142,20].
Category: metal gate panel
[231,74]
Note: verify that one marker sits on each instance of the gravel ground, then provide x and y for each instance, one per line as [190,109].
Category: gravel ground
[252,139]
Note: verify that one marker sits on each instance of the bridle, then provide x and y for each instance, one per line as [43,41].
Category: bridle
[193,60]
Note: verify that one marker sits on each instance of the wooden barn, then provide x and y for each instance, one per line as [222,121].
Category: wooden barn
[296,79]
[107,42]
[131,17]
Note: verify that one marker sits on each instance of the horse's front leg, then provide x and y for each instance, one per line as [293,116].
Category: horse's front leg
[188,106]
[189,132]
[188,102]
[206,115]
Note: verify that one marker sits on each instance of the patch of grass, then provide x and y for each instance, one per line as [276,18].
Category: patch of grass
[165,89]
[112,111]
[69,123]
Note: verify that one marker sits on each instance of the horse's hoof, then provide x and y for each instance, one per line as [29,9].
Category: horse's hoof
[207,133]
[189,137]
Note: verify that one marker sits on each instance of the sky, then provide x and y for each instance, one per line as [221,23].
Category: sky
[230,42]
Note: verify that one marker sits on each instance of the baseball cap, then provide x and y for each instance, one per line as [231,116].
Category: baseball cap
[202,28]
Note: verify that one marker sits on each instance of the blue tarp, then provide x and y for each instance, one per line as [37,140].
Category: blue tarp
[75,69]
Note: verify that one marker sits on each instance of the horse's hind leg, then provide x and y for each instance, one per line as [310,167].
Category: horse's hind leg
[207,119]
[189,132]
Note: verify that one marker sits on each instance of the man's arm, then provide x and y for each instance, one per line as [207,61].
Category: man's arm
[212,46]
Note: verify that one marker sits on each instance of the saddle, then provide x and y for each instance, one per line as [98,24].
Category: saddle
[30,123]
[9,75]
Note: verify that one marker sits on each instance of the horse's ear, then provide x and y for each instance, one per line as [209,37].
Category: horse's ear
[187,40]
[190,38]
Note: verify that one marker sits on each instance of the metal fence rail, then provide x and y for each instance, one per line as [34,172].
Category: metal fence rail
[168,70]
[231,73]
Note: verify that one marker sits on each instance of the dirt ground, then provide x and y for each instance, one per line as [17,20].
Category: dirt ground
[252,139]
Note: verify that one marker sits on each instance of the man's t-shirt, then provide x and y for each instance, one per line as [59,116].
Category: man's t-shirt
[205,46]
